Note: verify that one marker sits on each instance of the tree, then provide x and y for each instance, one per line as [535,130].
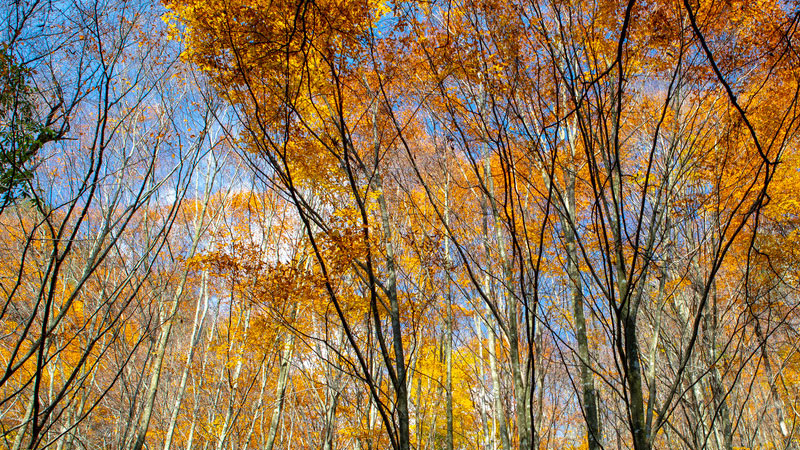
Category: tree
[366,224]
[97,213]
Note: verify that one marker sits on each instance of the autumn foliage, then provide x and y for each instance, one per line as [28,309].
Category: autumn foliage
[363,224]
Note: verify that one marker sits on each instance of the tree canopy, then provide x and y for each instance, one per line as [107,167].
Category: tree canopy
[367,225]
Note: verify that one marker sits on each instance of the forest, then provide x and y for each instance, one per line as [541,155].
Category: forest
[400,225]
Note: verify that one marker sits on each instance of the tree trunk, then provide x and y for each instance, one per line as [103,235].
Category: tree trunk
[498,411]
[227,422]
[521,409]
[280,389]
[448,349]
[401,389]
[197,324]
[166,328]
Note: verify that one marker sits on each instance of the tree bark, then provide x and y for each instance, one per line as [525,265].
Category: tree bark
[401,389]
[197,324]
[280,389]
